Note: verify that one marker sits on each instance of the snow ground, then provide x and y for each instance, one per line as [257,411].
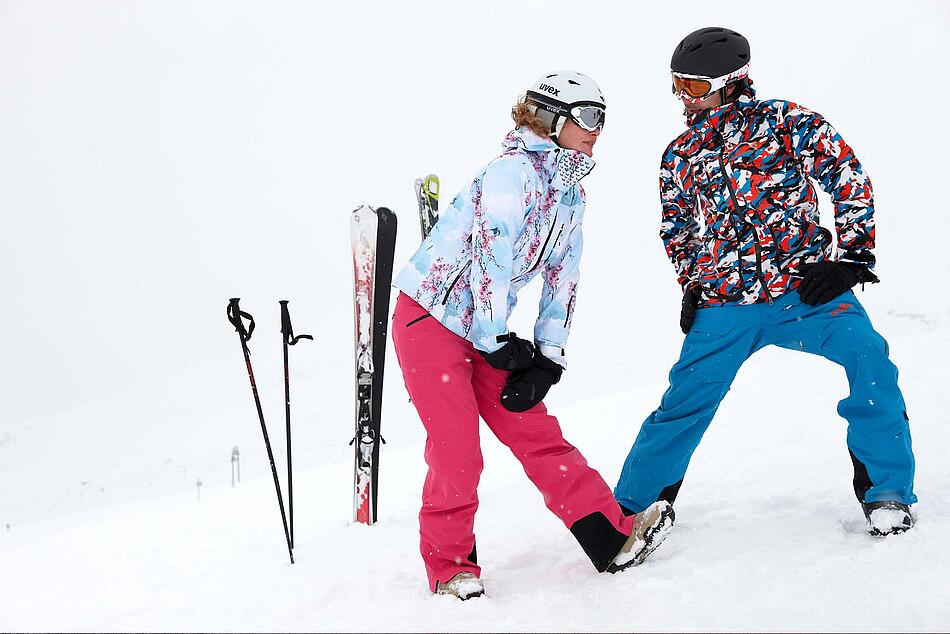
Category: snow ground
[754,548]
[159,158]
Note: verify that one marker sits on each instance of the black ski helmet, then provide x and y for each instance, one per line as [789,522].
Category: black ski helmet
[712,51]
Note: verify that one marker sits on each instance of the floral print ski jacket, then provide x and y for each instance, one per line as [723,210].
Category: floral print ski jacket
[740,213]
[520,217]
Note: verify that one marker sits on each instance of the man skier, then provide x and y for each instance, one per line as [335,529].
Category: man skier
[740,224]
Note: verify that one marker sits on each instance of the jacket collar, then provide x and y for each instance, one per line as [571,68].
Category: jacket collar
[564,168]
[718,119]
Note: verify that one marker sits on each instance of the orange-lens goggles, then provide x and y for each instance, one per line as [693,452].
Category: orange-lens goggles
[695,88]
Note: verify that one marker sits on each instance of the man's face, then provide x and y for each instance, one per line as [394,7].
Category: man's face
[705,104]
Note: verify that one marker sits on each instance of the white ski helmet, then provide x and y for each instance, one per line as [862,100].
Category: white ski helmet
[567,94]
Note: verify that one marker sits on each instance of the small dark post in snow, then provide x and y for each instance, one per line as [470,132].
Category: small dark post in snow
[198,486]
[235,465]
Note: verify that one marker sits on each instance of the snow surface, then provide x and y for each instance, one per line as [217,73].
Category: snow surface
[161,157]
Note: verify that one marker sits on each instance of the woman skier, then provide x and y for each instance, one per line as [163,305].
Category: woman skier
[518,218]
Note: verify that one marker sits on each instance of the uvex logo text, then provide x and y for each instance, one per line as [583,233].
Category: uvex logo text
[549,89]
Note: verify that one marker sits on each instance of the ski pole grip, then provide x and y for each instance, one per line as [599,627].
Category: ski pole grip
[286,329]
[236,317]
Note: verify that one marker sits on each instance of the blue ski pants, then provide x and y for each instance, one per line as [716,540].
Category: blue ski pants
[721,339]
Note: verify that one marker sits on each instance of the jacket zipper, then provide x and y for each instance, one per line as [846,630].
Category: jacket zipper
[544,246]
[445,299]
[758,266]
[735,205]
[418,319]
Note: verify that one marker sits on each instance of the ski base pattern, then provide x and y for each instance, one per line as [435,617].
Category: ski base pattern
[373,235]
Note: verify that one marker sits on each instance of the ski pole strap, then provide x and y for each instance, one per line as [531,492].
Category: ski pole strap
[286,329]
[236,316]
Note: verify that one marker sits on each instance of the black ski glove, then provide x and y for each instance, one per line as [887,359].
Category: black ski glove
[516,354]
[823,281]
[688,310]
[527,388]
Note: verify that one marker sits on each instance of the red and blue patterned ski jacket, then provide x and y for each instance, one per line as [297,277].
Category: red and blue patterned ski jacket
[740,213]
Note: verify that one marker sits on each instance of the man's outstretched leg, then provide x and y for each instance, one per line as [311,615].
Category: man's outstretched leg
[721,339]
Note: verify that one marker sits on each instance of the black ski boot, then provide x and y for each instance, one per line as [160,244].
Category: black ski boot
[887,518]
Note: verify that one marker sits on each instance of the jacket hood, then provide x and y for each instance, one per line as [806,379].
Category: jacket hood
[528,141]
[567,166]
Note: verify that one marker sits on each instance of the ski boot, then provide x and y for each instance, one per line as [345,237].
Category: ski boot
[464,585]
[650,527]
[887,518]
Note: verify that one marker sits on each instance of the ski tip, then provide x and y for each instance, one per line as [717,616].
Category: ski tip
[432,186]
[386,213]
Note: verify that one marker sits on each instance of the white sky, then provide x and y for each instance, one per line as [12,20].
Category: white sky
[157,158]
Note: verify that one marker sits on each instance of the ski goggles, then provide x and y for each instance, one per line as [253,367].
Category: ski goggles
[589,116]
[696,88]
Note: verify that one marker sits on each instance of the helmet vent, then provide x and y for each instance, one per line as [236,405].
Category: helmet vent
[574,83]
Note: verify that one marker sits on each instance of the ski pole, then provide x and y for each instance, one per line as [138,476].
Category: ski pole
[236,317]
[289,340]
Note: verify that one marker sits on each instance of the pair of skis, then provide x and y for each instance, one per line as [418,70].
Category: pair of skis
[373,234]
[373,238]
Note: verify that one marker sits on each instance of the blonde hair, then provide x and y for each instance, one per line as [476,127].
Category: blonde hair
[523,115]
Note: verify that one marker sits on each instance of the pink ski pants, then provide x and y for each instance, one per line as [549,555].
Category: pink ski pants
[451,385]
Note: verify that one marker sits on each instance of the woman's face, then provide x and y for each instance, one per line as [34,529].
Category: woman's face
[574,137]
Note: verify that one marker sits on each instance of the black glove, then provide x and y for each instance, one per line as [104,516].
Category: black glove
[823,281]
[688,310]
[516,354]
[527,388]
